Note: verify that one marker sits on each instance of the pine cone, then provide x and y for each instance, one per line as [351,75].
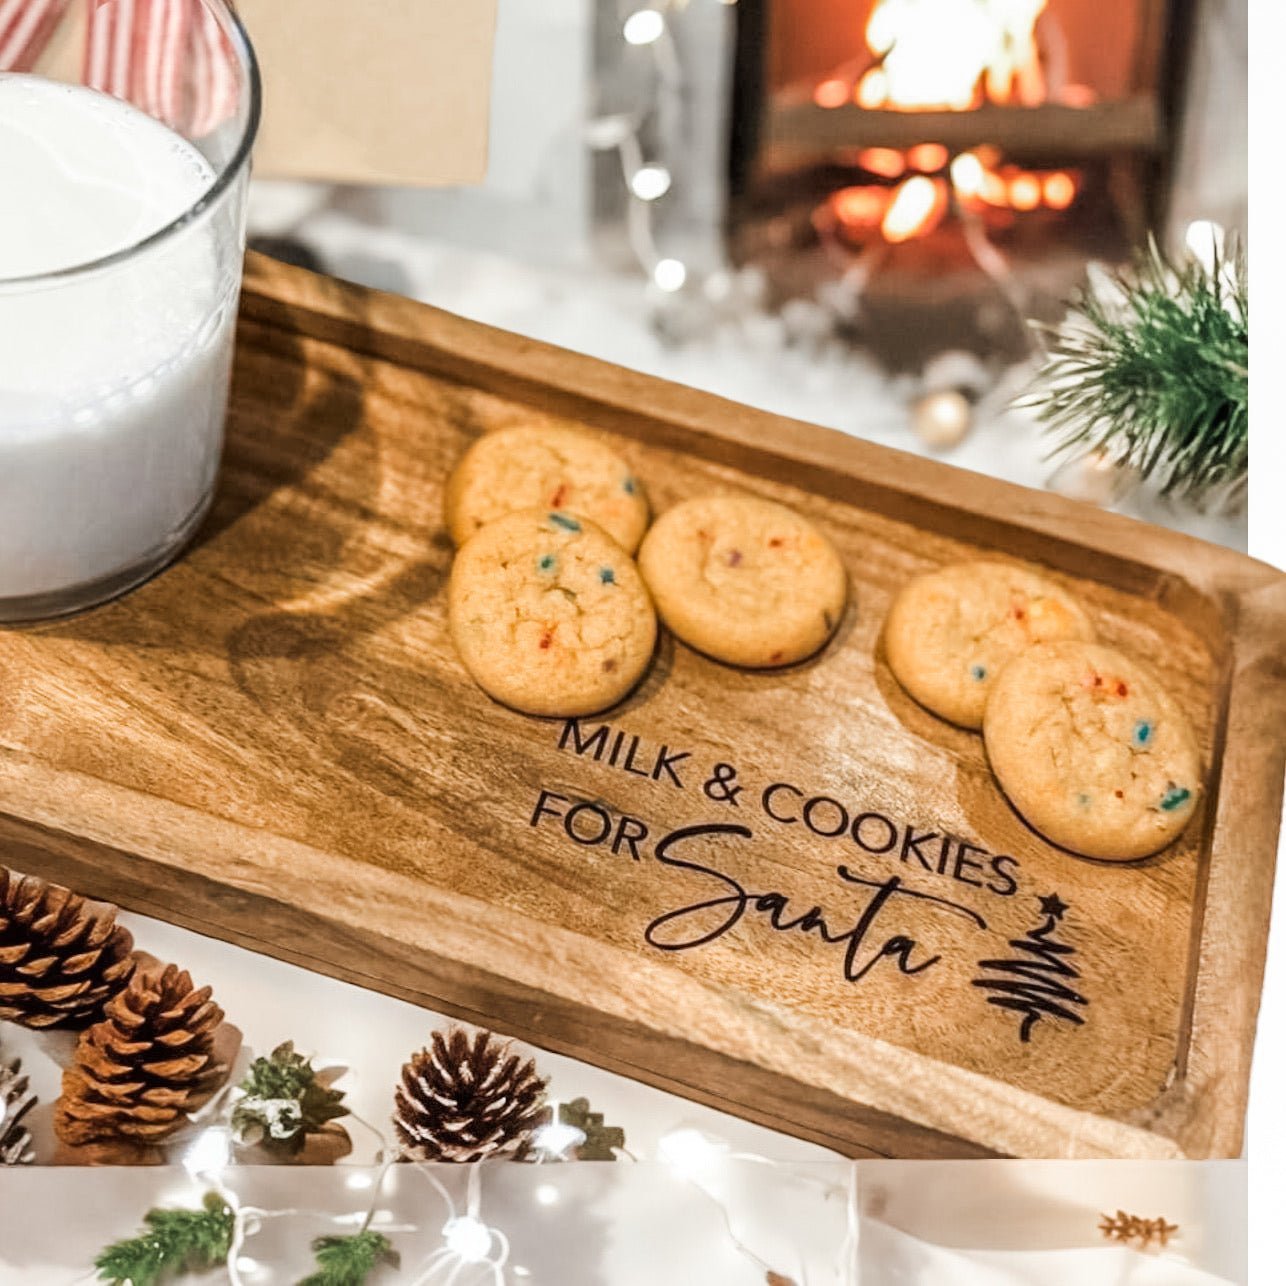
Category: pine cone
[15,1102]
[463,1100]
[149,1062]
[61,960]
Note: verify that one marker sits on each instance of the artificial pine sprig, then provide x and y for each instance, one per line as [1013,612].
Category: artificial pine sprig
[176,1241]
[601,1141]
[1150,371]
[283,1099]
[349,1261]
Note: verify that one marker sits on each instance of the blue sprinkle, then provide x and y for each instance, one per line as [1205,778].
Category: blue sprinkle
[563,521]
[1175,797]
[607,575]
[629,486]
[1142,733]
[547,563]
[978,672]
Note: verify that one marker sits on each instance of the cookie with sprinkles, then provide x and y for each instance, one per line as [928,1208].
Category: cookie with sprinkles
[744,580]
[532,467]
[950,632]
[1092,750]
[549,614]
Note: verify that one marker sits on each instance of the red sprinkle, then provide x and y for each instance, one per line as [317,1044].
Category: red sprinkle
[775,543]
[1120,794]
[734,558]
[1121,689]
[546,639]
[559,496]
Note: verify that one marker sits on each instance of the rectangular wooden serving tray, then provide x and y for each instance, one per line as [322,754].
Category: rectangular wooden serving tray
[274,743]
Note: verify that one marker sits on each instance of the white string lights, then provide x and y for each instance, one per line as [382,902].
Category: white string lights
[472,1249]
[646,181]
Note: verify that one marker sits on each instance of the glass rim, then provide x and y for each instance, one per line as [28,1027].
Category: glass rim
[223,180]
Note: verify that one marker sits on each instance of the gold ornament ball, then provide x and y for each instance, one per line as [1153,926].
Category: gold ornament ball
[942,419]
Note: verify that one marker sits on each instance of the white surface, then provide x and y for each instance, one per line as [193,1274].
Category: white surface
[113,384]
[577,1225]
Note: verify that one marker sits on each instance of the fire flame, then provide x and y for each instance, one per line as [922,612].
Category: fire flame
[949,55]
[946,55]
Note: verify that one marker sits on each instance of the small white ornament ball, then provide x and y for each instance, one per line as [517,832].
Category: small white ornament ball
[942,419]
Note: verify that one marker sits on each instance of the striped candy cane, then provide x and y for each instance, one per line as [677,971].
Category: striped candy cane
[168,57]
[25,29]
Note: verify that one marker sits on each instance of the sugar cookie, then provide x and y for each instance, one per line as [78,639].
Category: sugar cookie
[549,614]
[533,467]
[744,580]
[950,632]
[1092,750]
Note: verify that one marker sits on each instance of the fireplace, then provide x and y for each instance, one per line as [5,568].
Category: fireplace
[953,164]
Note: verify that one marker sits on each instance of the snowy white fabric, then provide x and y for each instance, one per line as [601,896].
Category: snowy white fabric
[889,1257]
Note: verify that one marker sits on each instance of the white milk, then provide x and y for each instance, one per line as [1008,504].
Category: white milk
[113,385]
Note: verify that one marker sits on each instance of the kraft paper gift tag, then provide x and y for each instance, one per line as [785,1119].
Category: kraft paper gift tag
[375,91]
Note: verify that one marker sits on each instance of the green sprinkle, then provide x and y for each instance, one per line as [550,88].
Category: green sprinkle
[978,672]
[1175,797]
[547,563]
[629,486]
[607,575]
[1142,733]
[563,521]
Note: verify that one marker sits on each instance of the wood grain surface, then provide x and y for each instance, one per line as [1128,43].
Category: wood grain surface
[274,743]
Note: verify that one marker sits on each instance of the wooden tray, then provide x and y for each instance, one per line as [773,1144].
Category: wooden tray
[274,743]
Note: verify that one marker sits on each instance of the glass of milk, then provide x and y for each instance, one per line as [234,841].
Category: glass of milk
[121,242]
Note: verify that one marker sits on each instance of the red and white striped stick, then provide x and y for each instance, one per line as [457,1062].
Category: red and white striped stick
[25,29]
[169,58]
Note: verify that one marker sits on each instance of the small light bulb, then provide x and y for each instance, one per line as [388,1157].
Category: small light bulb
[643,26]
[210,1150]
[689,1152]
[547,1194]
[558,1138]
[467,1238]
[670,274]
[1204,240]
[649,182]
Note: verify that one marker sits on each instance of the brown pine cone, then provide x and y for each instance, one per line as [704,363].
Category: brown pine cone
[464,1100]
[61,959]
[16,1100]
[148,1063]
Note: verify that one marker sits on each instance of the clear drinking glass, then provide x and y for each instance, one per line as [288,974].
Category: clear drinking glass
[117,308]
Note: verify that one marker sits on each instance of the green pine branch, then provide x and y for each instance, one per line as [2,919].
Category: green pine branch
[1151,369]
[349,1261]
[284,1098]
[601,1141]
[176,1241]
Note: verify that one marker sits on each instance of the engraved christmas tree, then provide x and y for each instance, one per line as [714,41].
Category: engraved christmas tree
[1036,982]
